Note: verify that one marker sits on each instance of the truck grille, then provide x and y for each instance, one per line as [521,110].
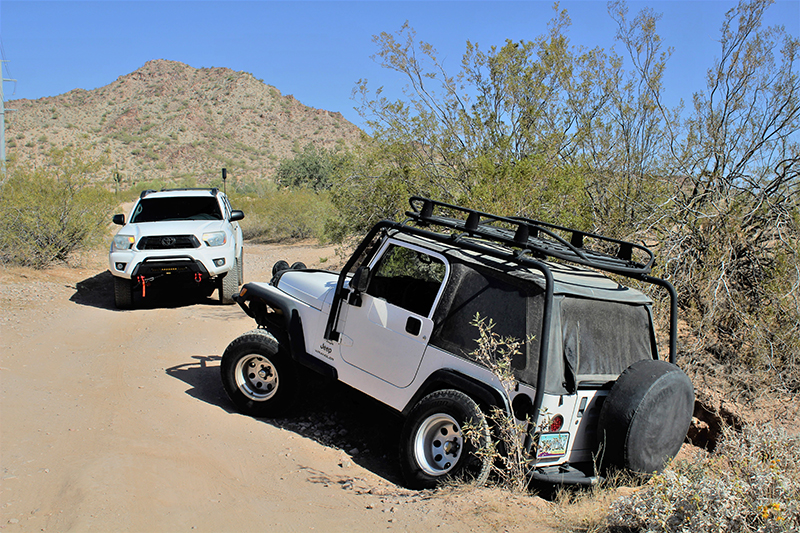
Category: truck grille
[168,242]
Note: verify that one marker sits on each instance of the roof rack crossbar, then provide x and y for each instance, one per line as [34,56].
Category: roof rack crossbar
[213,190]
[540,238]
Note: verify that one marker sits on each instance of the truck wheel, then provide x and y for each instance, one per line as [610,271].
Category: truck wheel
[229,285]
[433,444]
[258,376]
[123,293]
[645,417]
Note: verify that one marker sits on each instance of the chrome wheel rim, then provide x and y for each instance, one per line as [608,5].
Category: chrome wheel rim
[256,377]
[438,444]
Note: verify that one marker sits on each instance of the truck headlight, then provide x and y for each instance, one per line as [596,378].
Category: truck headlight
[216,238]
[122,242]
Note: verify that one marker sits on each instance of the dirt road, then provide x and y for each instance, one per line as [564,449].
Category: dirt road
[117,421]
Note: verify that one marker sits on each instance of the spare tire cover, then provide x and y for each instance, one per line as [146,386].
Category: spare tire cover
[645,417]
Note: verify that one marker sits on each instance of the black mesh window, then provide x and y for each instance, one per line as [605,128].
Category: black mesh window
[514,307]
[601,339]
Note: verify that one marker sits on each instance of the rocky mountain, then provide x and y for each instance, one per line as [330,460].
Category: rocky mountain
[176,124]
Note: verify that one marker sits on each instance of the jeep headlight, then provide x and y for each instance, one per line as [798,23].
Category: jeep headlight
[122,242]
[216,238]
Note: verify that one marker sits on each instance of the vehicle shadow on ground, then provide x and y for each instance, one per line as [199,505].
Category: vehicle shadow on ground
[326,411]
[98,291]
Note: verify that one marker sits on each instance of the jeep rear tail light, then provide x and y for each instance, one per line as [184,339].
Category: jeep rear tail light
[555,423]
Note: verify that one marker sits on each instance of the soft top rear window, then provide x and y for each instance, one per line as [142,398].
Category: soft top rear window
[601,338]
[182,208]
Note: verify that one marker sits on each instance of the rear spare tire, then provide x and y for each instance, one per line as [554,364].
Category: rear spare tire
[645,417]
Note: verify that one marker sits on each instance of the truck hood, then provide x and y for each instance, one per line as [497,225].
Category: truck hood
[312,287]
[173,227]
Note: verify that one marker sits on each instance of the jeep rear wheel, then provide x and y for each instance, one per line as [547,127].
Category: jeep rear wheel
[123,293]
[258,376]
[645,417]
[435,446]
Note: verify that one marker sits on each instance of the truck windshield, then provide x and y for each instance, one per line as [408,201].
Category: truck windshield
[184,208]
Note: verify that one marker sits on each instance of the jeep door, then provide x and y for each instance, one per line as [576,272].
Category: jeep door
[386,333]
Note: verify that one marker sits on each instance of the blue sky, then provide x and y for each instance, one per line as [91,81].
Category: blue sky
[318,50]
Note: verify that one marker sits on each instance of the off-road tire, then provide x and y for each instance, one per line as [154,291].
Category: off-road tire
[645,417]
[258,375]
[240,268]
[433,444]
[229,286]
[123,293]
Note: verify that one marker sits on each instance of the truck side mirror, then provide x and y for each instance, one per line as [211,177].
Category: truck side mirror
[236,215]
[119,220]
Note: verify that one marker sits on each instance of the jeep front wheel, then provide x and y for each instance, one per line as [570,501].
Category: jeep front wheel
[442,439]
[258,376]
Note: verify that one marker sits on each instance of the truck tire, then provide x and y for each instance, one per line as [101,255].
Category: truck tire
[645,417]
[123,293]
[229,285]
[433,444]
[258,376]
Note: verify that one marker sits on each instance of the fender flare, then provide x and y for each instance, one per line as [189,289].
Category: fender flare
[286,324]
[483,394]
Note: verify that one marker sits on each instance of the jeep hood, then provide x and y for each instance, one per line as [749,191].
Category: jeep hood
[312,287]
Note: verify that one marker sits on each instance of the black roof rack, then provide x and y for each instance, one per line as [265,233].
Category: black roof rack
[541,239]
[213,190]
[524,241]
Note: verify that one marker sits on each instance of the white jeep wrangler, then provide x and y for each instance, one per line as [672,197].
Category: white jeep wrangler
[396,324]
[187,236]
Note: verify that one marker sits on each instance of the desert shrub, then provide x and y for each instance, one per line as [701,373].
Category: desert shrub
[511,462]
[310,168]
[285,215]
[748,484]
[48,213]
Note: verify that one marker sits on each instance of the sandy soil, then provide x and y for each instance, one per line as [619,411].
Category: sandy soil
[117,421]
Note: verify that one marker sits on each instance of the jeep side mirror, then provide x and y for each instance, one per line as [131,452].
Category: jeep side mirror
[119,220]
[358,284]
[360,279]
[236,215]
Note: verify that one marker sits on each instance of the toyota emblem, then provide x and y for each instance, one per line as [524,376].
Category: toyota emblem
[167,241]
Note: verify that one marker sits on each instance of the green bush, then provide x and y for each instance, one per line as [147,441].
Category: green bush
[748,484]
[286,215]
[50,212]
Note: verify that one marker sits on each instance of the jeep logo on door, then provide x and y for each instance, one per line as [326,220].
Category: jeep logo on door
[168,242]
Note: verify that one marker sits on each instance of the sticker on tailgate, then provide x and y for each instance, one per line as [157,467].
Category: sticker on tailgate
[552,445]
